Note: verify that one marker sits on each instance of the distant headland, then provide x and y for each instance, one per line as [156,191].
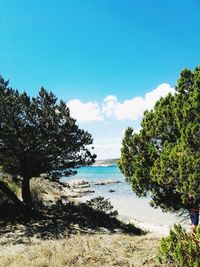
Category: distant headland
[105,162]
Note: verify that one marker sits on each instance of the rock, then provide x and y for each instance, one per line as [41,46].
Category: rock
[78,184]
[105,182]
[83,186]
[104,230]
[111,191]
[83,192]
[74,196]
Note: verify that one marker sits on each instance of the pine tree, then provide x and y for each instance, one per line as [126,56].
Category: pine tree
[38,135]
[163,159]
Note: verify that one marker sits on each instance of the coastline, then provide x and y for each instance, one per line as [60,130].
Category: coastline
[145,217]
[138,211]
[130,208]
[110,184]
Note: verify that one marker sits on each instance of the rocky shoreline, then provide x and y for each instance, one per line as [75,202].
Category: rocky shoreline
[76,188]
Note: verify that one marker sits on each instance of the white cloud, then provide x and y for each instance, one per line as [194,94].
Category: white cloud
[107,138]
[133,109]
[85,112]
[152,97]
[109,105]
[130,109]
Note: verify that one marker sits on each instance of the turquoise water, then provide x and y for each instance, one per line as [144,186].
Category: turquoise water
[93,174]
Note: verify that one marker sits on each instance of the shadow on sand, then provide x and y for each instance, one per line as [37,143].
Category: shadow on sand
[58,221]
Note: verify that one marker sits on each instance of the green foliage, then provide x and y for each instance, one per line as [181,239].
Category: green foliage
[180,248]
[163,159]
[103,205]
[11,184]
[37,135]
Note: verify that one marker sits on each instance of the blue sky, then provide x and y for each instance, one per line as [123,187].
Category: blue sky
[89,50]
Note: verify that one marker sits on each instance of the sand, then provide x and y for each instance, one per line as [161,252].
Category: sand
[139,212]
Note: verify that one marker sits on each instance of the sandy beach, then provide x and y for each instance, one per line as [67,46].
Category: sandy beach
[138,211]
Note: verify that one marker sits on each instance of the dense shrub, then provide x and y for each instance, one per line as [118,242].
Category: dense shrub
[180,248]
[103,205]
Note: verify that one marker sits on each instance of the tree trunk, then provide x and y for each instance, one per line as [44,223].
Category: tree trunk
[26,193]
[9,193]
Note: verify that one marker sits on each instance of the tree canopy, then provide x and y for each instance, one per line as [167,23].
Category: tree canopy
[163,159]
[38,135]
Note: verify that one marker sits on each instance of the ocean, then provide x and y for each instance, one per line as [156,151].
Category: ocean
[124,200]
[94,174]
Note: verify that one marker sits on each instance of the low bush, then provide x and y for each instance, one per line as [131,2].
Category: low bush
[180,248]
[103,205]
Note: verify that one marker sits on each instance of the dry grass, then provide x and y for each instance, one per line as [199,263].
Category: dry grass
[73,234]
[84,250]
